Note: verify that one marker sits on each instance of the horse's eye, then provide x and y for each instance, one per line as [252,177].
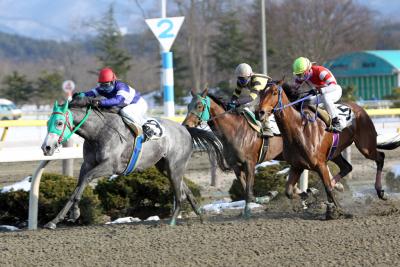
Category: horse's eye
[59,123]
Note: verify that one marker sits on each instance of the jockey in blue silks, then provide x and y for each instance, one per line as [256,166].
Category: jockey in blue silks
[120,94]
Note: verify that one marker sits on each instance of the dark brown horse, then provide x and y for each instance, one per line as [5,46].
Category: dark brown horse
[306,145]
[242,144]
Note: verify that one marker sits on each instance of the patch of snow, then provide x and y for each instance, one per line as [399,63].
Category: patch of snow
[25,185]
[153,218]
[8,228]
[125,220]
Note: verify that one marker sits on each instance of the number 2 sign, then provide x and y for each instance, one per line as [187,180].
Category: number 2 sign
[165,30]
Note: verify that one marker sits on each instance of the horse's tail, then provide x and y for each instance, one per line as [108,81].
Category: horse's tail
[206,140]
[388,142]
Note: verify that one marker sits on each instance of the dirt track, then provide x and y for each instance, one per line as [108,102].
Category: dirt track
[273,238]
[281,235]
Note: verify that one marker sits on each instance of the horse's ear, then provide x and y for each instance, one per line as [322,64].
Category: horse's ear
[55,106]
[205,92]
[281,81]
[65,106]
[192,92]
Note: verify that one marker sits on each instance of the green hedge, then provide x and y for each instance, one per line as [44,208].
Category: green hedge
[54,192]
[141,195]
[267,179]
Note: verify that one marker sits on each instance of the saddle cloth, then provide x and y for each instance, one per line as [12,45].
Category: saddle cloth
[256,124]
[345,115]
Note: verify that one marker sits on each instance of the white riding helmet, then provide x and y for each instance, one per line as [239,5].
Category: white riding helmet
[243,70]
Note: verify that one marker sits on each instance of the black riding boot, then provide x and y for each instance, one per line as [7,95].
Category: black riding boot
[336,127]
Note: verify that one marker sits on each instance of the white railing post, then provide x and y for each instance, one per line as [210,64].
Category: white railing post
[34,195]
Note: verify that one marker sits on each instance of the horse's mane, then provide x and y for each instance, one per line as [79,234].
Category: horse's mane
[218,100]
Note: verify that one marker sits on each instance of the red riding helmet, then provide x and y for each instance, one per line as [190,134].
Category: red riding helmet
[106,75]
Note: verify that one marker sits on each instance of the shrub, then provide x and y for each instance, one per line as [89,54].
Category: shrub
[54,192]
[140,194]
[267,179]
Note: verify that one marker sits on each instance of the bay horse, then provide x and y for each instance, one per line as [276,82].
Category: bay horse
[241,144]
[307,145]
[108,147]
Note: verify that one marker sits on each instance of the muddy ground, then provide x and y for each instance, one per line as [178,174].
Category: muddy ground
[279,234]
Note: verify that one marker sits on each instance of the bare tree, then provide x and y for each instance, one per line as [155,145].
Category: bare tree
[199,26]
[318,29]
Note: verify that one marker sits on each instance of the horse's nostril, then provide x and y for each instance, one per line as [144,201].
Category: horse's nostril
[261,113]
[48,148]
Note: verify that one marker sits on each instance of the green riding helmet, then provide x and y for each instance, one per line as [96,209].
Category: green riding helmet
[301,65]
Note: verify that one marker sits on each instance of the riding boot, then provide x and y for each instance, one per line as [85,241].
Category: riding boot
[266,129]
[336,127]
[136,128]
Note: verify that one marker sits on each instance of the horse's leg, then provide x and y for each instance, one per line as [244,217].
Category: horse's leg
[370,152]
[249,197]
[344,166]
[294,175]
[192,201]
[98,171]
[174,173]
[326,179]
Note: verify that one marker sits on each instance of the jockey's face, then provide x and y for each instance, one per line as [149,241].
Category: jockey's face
[106,87]
[243,81]
[304,76]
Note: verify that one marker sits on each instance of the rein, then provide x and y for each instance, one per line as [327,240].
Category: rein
[282,106]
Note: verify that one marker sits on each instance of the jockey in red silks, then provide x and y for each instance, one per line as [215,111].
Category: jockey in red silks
[322,81]
[120,94]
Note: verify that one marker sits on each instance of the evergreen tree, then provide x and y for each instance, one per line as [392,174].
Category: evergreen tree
[349,93]
[229,49]
[17,88]
[48,87]
[109,43]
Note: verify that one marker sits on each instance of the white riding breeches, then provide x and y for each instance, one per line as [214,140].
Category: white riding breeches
[136,112]
[330,95]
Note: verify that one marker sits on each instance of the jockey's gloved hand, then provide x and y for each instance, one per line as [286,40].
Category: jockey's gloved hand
[78,95]
[313,92]
[95,103]
[232,105]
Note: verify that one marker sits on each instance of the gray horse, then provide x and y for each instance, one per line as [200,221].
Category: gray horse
[108,147]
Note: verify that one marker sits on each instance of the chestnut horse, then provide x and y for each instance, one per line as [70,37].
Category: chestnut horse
[307,145]
[241,143]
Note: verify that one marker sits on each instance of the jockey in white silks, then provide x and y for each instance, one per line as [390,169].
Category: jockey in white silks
[120,94]
[323,81]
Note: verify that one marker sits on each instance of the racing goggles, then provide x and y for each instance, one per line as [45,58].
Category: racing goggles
[107,87]
[243,80]
[304,76]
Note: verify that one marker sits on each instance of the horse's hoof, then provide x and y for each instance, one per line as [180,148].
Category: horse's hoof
[333,212]
[381,194]
[50,225]
[339,187]
[172,222]
[75,214]
[246,213]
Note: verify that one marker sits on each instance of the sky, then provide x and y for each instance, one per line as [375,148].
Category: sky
[62,19]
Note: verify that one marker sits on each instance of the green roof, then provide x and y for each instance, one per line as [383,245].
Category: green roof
[366,63]
[390,56]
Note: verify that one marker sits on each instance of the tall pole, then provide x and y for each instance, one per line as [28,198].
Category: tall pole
[264,38]
[167,74]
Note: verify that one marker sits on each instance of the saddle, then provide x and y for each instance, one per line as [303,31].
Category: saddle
[322,114]
[251,120]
